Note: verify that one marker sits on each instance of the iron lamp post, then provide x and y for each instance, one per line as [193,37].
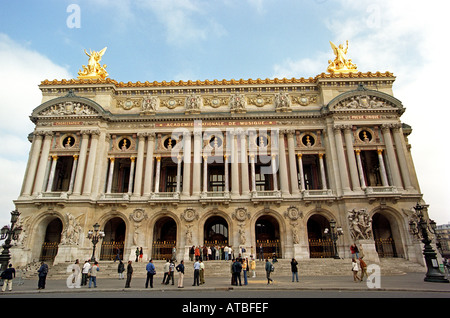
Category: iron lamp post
[9,233]
[95,236]
[420,229]
[334,233]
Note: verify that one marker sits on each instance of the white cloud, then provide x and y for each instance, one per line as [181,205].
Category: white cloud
[22,71]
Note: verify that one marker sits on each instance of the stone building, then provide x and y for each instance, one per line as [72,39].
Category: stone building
[282,163]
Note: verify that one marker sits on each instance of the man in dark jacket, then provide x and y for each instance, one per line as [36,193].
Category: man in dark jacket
[237,271]
[129,274]
[43,271]
[7,277]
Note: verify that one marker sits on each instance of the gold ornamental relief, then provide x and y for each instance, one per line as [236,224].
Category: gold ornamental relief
[341,63]
[94,70]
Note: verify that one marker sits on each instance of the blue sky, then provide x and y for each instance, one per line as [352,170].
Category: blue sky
[224,39]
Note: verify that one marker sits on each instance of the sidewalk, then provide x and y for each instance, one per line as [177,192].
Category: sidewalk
[407,282]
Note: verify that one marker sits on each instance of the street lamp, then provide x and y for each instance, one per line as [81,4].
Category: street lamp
[420,229]
[95,236]
[334,233]
[9,233]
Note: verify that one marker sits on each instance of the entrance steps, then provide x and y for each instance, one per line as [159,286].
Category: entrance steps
[306,267]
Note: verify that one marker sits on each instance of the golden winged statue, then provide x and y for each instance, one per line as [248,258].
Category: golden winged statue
[93,70]
[341,64]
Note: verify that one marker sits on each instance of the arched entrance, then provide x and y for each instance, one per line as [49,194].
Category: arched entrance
[164,238]
[320,243]
[52,239]
[385,241]
[216,231]
[114,241]
[267,234]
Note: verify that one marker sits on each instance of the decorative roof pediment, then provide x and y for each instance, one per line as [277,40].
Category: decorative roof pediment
[364,99]
[68,105]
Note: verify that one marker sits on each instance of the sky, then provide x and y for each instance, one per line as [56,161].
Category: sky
[158,40]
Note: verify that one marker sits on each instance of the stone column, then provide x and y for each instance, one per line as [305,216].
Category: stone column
[88,180]
[360,168]
[252,166]
[244,163]
[351,158]
[205,173]
[110,175]
[40,174]
[52,173]
[341,160]
[401,155]
[139,165]
[178,174]
[234,167]
[149,165]
[322,172]
[300,168]
[227,181]
[81,163]
[384,179]
[284,183]
[292,163]
[33,162]
[196,172]
[72,175]
[158,173]
[392,162]
[187,164]
[274,171]
[131,177]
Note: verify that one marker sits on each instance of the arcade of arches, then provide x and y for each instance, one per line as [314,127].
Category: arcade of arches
[267,233]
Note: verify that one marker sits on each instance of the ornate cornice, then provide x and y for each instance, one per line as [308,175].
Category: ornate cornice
[302,80]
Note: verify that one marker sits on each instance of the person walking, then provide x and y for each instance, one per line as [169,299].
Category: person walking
[253,267]
[129,274]
[363,266]
[237,271]
[261,252]
[225,251]
[180,270]
[166,271]
[137,254]
[93,277]
[245,268]
[85,273]
[294,269]
[355,270]
[43,271]
[7,276]
[141,254]
[151,271]
[269,269]
[202,272]
[196,273]
[191,253]
[171,273]
[120,269]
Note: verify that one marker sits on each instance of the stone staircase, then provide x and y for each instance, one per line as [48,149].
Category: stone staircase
[307,267]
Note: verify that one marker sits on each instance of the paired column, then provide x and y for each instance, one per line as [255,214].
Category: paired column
[42,167]
[81,162]
[284,184]
[351,158]
[341,159]
[33,162]
[139,165]
[91,163]
[392,162]
[186,163]
[244,163]
[401,155]
[292,163]
[149,165]
[196,172]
